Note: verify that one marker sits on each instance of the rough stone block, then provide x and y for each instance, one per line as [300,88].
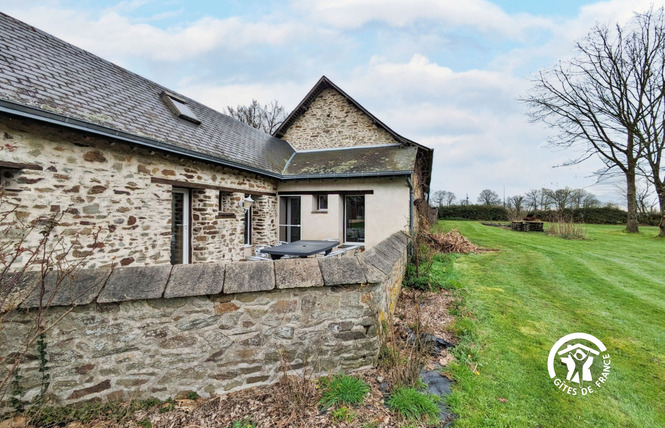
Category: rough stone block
[373,274]
[195,280]
[247,277]
[294,273]
[386,250]
[341,271]
[26,285]
[79,288]
[135,283]
[400,238]
[377,260]
[394,243]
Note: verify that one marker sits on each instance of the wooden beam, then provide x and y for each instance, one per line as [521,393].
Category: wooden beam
[326,192]
[17,165]
[188,185]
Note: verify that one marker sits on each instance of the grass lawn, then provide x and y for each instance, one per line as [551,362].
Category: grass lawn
[519,301]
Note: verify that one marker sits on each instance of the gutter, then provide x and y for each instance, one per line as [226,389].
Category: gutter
[81,125]
[345,175]
[151,143]
[411,210]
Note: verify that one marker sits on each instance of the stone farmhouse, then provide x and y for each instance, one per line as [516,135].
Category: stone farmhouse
[160,199]
[171,178]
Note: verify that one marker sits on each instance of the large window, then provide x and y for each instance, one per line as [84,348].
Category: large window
[180,226]
[289,218]
[354,218]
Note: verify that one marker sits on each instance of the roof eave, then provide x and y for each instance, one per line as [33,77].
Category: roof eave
[81,125]
[346,175]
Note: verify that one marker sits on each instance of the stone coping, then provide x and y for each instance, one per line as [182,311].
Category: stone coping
[124,284]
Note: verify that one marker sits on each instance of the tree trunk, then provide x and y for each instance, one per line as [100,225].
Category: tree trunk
[661,203]
[631,196]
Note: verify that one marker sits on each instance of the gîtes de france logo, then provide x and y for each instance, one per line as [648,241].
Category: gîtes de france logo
[579,364]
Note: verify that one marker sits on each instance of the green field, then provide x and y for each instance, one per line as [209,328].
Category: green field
[517,302]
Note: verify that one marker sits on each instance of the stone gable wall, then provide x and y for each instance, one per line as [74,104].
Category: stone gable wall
[160,331]
[100,184]
[333,122]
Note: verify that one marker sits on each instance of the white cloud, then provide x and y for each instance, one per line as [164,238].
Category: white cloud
[219,97]
[403,61]
[119,38]
[481,15]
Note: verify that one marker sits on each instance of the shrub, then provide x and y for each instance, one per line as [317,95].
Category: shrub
[415,281]
[473,212]
[567,230]
[344,414]
[413,404]
[599,215]
[243,423]
[342,389]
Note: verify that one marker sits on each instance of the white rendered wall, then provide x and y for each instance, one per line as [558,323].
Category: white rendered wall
[386,210]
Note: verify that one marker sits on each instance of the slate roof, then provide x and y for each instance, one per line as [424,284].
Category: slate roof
[366,161]
[60,81]
[45,78]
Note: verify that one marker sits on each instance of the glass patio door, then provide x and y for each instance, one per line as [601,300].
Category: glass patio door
[354,218]
[289,218]
[180,226]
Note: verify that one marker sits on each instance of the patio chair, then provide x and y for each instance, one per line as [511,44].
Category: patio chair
[335,253]
[258,259]
[341,251]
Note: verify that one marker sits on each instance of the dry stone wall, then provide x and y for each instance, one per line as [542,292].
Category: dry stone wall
[160,331]
[332,122]
[101,184]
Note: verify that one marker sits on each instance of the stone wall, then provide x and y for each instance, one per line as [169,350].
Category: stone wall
[331,121]
[102,184]
[159,331]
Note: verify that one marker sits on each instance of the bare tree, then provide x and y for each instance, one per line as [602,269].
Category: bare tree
[576,198]
[436,199]
[532,199]
[561,198]
[651,129]
[489,197]
[598,100]
[267,117]
[449,198]
[441,198]
[516,203]
[545,201]
[590,201]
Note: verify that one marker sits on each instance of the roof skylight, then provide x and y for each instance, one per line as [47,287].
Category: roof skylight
[179,107]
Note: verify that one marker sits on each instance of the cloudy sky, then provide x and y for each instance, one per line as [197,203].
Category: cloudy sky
[445,73]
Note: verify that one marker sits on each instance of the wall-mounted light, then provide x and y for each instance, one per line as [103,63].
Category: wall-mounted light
[247,203]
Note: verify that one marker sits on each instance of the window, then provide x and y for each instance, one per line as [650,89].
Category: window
[179,107]
[248,225]
[180,226]
[322,203]
[289,218]
[354,218]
